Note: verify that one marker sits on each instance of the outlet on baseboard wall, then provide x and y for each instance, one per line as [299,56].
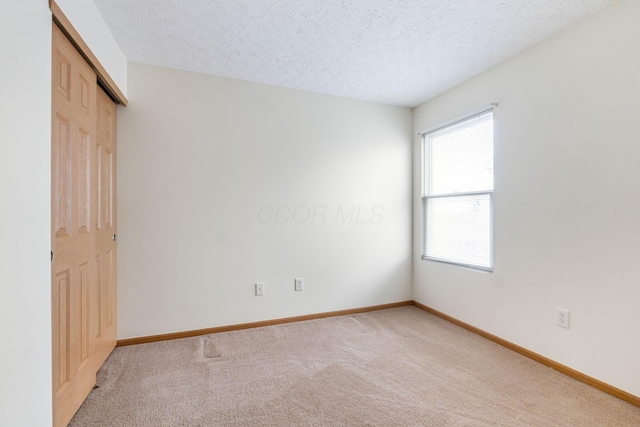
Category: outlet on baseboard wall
[562,317]
[299,284]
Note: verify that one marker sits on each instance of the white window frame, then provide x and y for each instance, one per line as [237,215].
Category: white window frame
[426,163]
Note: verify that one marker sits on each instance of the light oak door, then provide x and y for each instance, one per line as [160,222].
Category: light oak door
[105,308]
[83,227]
[73,230]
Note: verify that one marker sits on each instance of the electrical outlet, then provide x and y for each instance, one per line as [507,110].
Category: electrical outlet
[259,289]
[299,284]
[562,317]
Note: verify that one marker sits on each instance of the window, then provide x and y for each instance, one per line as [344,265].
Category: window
[457,194]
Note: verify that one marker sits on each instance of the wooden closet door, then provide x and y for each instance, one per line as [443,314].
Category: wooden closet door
[105,177]
[73,228]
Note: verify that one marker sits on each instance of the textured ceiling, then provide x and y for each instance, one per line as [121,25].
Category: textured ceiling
[399,52]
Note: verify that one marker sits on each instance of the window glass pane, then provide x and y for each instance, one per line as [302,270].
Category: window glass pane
[461,157]
[458,229]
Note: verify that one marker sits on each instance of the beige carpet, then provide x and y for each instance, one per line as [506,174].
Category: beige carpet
[397,367]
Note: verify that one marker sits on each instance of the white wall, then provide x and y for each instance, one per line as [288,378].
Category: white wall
[223,183]
[86,19]
[25,219]
[567,204]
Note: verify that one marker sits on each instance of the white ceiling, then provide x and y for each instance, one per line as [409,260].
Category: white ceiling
[399,52]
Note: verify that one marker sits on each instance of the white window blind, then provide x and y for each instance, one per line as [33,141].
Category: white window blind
[458,192]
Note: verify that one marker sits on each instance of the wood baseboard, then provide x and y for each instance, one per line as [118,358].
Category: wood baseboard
[602,386]
[237,327]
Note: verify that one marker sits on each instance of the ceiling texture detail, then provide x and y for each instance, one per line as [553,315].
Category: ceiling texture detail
[398,52]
